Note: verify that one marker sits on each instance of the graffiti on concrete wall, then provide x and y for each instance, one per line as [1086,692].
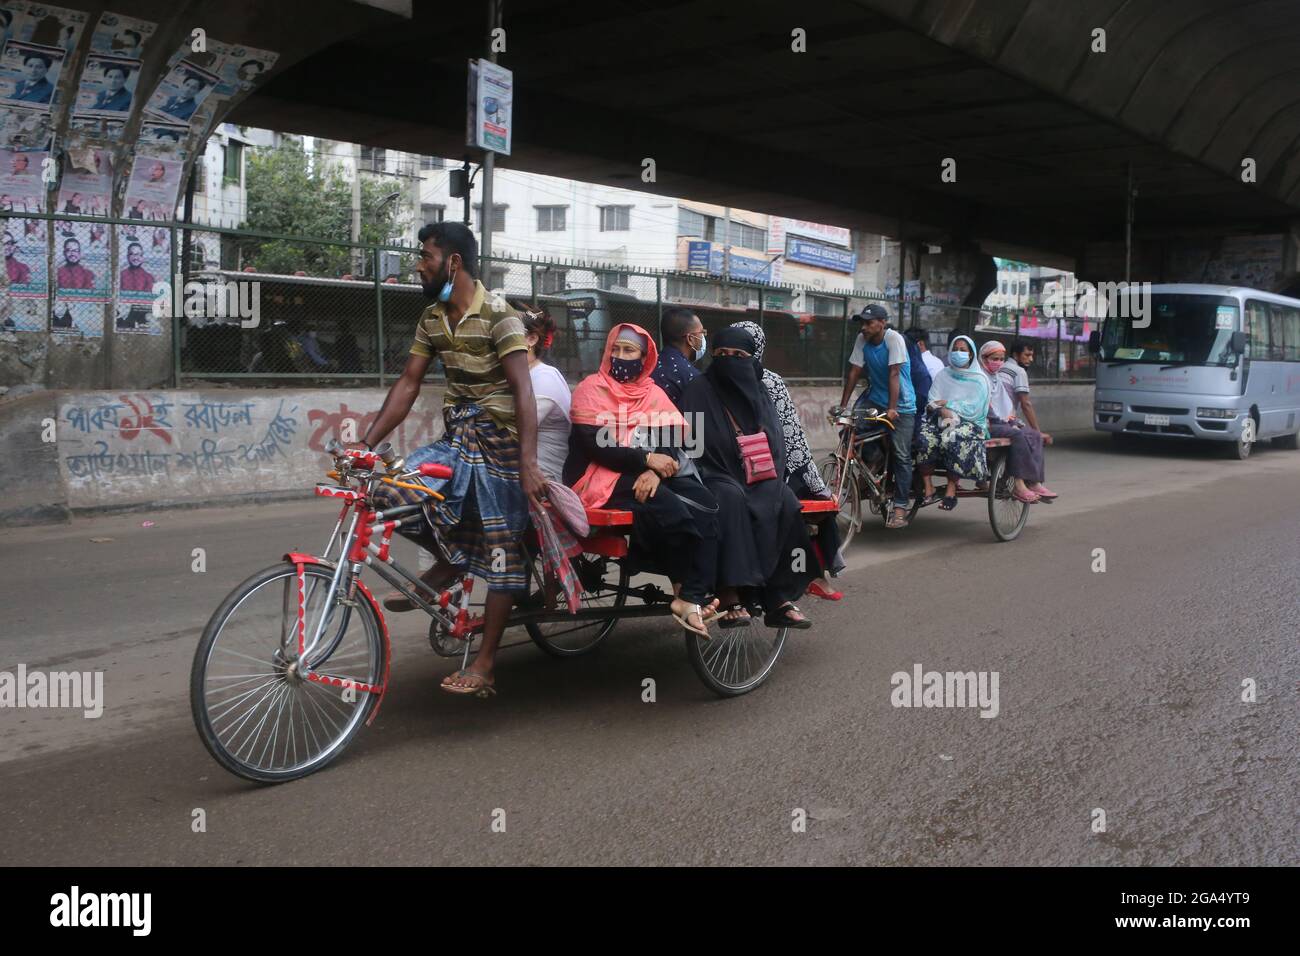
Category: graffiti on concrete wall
[126,447]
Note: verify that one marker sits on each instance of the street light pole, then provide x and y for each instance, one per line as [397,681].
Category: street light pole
[489,163]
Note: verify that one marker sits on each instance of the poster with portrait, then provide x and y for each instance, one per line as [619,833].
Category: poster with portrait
[107,87]
[83,270]
[144,258]
[152,190]
[29,72]
[87,185]
[167,137]
[181,92]
[24,129]
[121,36]
[22,185]
[104,129]
[25,242]
[82,265]
[55,30]
[242,68]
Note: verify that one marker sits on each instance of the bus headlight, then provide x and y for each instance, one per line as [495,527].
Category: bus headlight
[1109,406]
[1216,413]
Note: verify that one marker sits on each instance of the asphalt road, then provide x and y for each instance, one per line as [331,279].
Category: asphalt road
[1118,691]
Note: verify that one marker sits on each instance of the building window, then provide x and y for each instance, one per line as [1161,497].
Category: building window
[498,216]
[748,236]
[232,165]
[432,213]
[608,280]
[431,162]
[615,218]
[497,278]
[551,281]
[551,218]
[823,305]
[691,223]
[374,160]
[691,290]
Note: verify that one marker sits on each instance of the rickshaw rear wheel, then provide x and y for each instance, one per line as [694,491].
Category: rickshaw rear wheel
[1007,515]
[736,660]
[575,638]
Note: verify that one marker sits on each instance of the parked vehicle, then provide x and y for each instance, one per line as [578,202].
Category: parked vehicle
[1220,363]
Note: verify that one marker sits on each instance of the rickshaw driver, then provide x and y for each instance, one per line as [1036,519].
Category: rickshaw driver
[490,441]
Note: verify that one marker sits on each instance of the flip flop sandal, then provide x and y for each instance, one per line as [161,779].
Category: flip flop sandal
[817,589]
[397,602]
[896,521]
[948,503]
[1028,497]
[684,621]
[482,690]
[781,618]
[931,499]
[728,623]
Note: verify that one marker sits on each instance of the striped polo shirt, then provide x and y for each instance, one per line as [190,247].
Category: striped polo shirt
[471,355]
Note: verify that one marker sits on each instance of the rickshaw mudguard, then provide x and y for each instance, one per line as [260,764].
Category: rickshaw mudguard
[298,559]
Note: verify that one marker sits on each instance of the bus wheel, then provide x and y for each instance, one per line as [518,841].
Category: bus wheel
[1240,449]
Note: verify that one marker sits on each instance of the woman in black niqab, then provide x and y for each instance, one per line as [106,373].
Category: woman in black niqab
[762,536]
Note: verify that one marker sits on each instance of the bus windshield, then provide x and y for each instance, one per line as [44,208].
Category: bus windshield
[1184,330]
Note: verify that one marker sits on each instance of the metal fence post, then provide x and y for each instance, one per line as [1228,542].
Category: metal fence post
[379,317]
[659,306]
[176,319]
[532,277]
[1060,372]
[844,340]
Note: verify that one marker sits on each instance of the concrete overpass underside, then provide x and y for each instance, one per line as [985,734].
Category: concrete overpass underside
[1043,128]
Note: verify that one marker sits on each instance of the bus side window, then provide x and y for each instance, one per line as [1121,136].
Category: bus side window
[1277,337]
[1291,326]
[1257,312]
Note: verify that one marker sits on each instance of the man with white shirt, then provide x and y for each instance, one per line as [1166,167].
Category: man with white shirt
[922,340]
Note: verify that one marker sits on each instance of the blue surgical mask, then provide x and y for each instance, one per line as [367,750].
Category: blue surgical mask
[704,347]
[625,370]
[959,359]
[445,294]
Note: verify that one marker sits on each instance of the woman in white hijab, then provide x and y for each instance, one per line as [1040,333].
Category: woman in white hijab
[1025,456]
[955,425]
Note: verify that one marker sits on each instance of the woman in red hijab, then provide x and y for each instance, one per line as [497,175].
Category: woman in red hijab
[626,451]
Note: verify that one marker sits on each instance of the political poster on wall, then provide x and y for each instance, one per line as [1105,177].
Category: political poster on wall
[29,72]
[25,244]
[181,91]
[22,181]
[36,39]
[107,87]
[121,36]
[152,190]
[87,185]
[144,258]
[24,129]
[83,272]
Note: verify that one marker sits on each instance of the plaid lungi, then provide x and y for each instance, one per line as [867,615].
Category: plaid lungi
[481,521]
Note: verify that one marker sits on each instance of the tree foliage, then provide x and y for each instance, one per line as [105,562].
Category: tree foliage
[292,194]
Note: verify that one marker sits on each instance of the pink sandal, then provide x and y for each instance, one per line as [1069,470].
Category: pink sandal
[1028,497]
[1044,492]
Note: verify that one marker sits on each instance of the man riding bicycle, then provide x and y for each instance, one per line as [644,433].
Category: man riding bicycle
[883,353]
[490,440]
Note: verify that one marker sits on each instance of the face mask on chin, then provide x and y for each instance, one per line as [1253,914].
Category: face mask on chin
[443,293]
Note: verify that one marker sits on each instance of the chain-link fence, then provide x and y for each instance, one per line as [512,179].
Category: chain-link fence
[340,313]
